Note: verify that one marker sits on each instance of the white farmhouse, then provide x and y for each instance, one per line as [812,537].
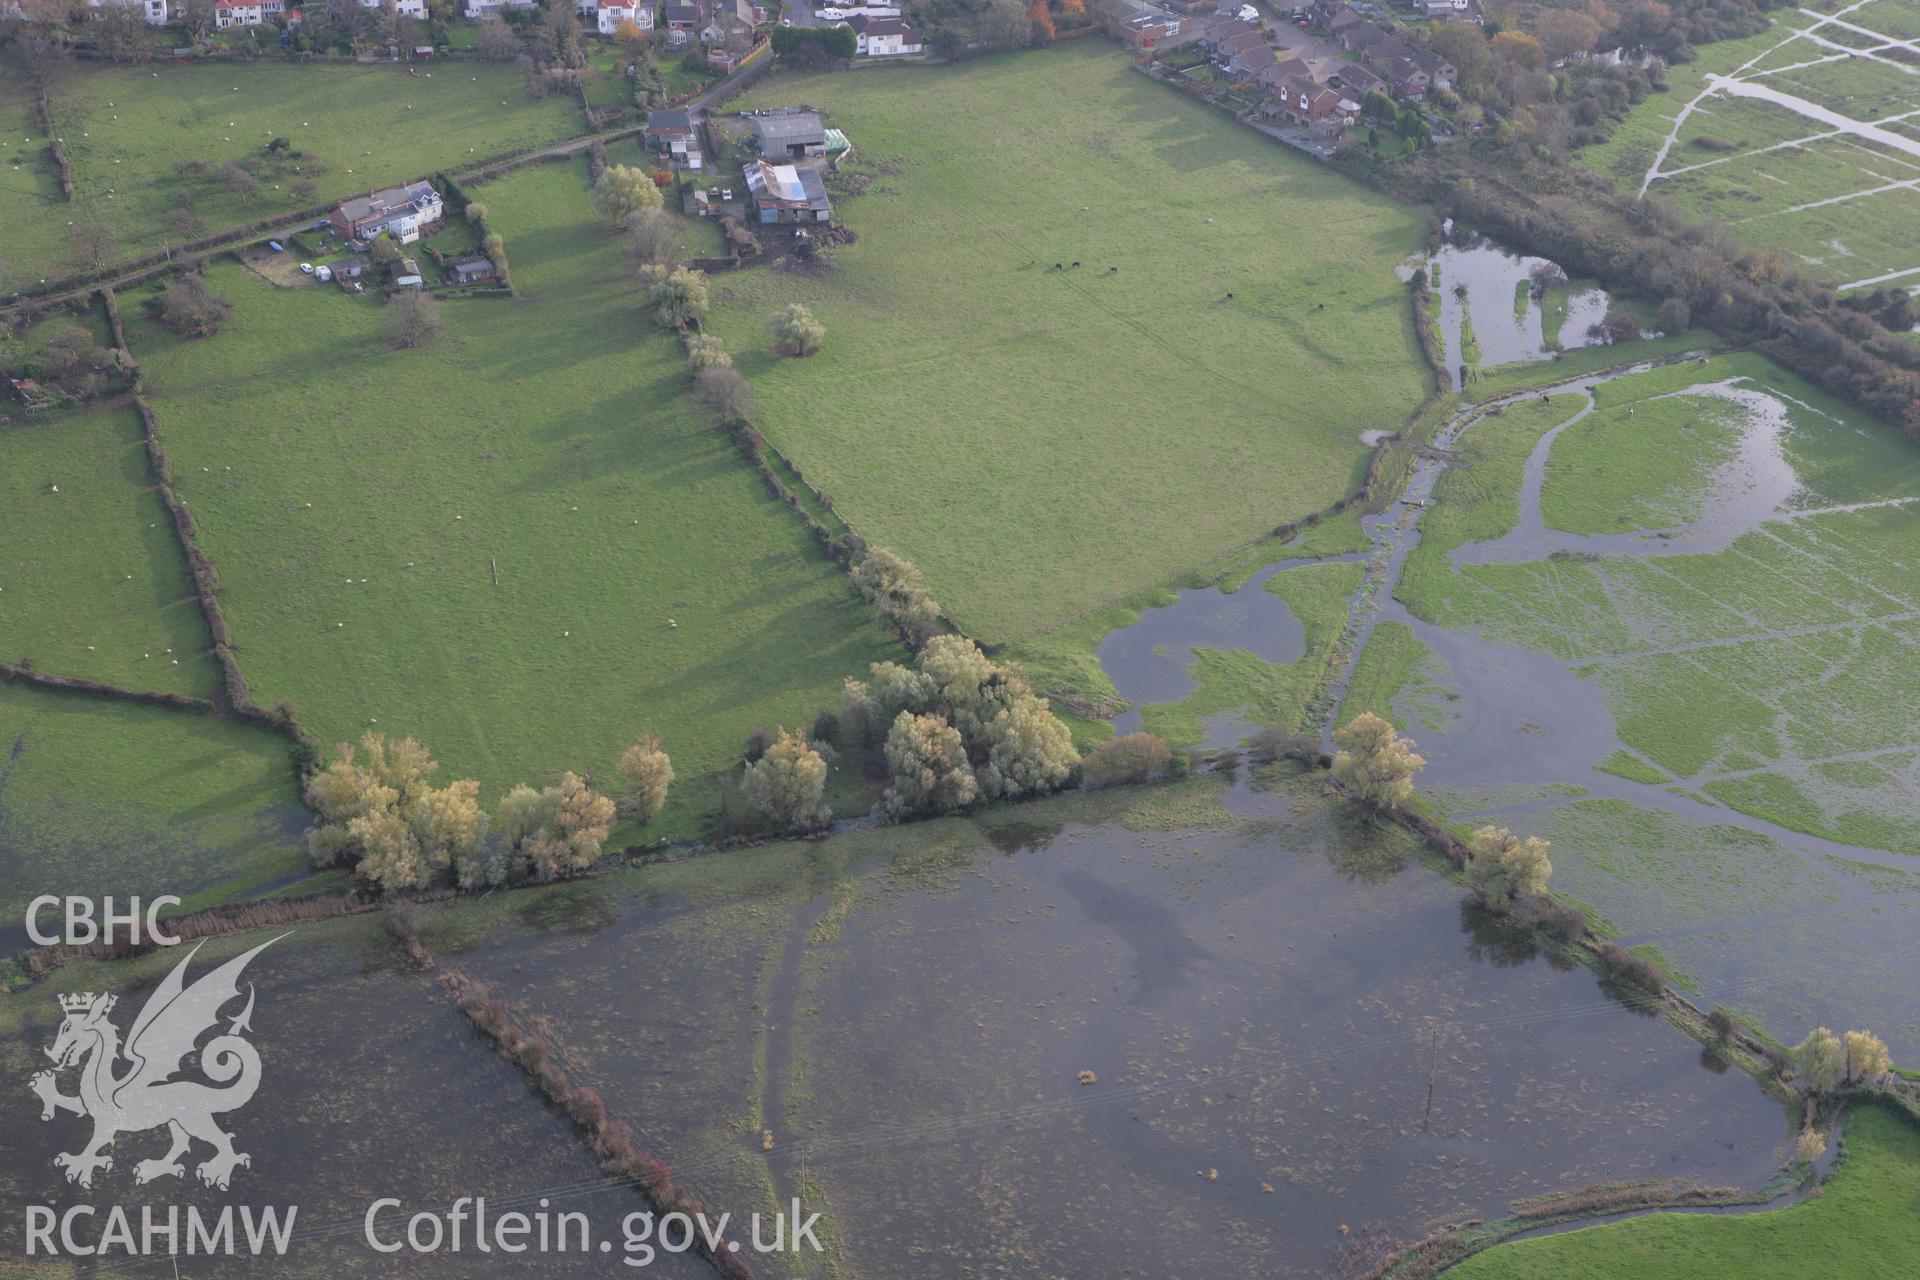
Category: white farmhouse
[154,11]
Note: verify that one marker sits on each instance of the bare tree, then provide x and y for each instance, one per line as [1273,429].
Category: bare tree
[93,246]
[724,393]
[650,237]
[413,320]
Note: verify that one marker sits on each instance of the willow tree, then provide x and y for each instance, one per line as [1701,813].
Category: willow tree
[1503,866]
[1374,763]
[787,782]
[646,765]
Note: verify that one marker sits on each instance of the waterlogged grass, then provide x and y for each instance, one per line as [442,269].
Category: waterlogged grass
[1335,536]
[362,1060]
[1234,680]
[1393,678]
[125,127]
[1742,673]
[1641,466]
[98,795]
[1625,764]
[1862,1224]
[544,440]
[1478,498]
[1085,433]
[92,582]
[1525,375]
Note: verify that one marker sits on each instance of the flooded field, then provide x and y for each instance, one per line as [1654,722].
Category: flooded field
[372,1085]
[1665,619]
[1300,1046]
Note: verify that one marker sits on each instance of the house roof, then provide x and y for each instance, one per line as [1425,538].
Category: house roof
[1227,29]
[1241,43]
[236,4]
[387,199]
[871,27]
[678,118]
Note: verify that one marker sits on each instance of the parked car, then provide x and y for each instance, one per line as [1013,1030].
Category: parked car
[306,268]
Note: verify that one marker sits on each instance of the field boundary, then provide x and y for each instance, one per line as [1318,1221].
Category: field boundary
[44,106]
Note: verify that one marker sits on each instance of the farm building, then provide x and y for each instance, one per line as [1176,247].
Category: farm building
[784,135]
[471,271]
[786,193]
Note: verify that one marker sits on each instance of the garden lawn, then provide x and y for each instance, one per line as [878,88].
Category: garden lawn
[1865,1224]
[1044,443]
[98,795]
[92,582]
[545,438]
[371,126]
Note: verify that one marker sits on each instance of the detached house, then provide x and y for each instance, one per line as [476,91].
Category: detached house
[1441,72]
[609,14]
[682,18]
[884,37]
[728,22]
[786,193]
[1301,101]
[402,212]
[230,14]
[477,9]
[1225,51]
[154,11]
[667,127]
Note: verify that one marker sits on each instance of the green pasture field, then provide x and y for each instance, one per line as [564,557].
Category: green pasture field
[125,127]
[546,438]
[1897,18]
[1862,1224]
[1046,443]
[145,800]
[93,583]
[1643,466]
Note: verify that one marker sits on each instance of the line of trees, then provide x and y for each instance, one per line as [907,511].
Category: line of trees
[380,815]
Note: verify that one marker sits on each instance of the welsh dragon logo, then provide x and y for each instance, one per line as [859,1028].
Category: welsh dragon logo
[144,1095]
